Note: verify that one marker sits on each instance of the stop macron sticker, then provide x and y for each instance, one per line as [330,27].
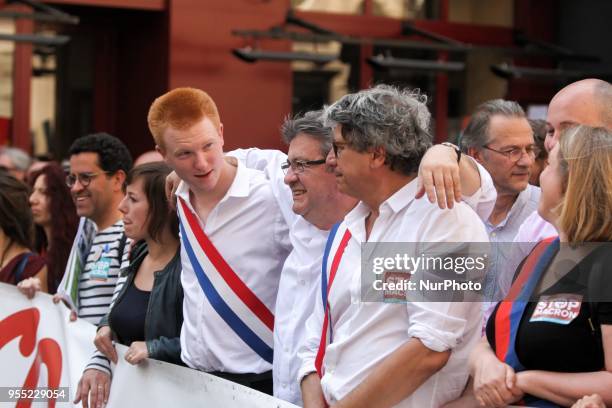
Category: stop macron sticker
[561,308]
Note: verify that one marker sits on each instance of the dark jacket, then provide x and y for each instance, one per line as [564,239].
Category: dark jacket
[164,316]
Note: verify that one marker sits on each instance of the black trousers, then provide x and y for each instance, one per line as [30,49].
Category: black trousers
[260,382]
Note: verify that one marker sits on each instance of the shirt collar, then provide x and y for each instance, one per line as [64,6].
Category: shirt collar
[240,187]
[401,199]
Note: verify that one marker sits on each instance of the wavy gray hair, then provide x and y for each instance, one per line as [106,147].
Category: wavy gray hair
[311,124]
[388,117]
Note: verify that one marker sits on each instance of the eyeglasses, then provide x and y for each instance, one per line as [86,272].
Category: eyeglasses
[84,178]
[298,166]
[516,153]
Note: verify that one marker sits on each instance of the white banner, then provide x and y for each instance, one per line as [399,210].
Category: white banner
[41,347]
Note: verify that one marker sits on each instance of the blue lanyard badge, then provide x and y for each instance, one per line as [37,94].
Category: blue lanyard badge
[101,267]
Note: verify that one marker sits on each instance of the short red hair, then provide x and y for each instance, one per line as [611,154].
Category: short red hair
[180,109]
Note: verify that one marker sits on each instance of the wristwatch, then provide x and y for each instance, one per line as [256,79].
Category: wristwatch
[455,148]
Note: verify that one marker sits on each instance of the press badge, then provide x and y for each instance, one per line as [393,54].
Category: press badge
[562,308]
[101,266]
[394,286]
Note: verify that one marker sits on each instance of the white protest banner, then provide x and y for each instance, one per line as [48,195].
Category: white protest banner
[156,384]
[40,347]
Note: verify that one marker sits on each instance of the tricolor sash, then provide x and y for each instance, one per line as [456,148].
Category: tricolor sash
[231,298]
[511,309]
[325,289]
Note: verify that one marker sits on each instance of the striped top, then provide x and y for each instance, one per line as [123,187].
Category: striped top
[96,291]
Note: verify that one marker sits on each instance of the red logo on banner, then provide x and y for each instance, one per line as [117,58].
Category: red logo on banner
[24,324]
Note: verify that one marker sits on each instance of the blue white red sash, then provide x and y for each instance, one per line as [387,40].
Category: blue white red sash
[325,289]
[237,305]
[511,309]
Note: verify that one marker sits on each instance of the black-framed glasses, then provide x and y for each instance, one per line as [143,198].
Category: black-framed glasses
[298,166]
[84,178]
[516,153]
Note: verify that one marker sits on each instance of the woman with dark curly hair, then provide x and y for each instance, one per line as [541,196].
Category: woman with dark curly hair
[17,262]
[56,222]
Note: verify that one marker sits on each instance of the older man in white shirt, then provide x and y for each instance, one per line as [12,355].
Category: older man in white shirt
[317,205]
[382,354]
[234,241]
[500,138]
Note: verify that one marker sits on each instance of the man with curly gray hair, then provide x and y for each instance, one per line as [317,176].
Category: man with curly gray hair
[385,353]
[386,117]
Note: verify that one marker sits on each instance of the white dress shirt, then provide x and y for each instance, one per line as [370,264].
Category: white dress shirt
[298,282]
[297,292]
[365,333]
[247,228]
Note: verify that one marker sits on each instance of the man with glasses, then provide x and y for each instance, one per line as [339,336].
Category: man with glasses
[316,199]
[99,164]
[500,138]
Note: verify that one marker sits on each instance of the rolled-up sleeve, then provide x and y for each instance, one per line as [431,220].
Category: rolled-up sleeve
[442,326]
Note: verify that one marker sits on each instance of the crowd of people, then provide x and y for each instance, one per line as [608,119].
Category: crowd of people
[252,268]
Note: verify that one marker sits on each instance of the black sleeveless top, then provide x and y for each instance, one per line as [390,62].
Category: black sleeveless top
[128,316]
